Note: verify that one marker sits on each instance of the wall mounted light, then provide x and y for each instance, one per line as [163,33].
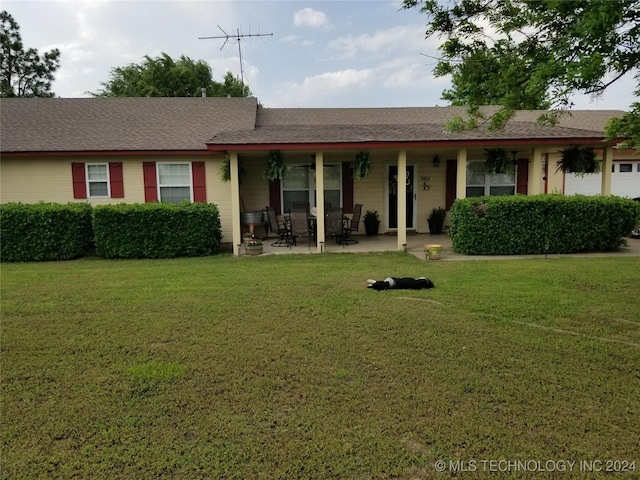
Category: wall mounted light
[513,159]
[312,165]
[436,161]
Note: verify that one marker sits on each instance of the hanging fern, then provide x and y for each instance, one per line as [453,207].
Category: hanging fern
[578,159]
[497,161]
[275,168]
[361,165]
[224,172]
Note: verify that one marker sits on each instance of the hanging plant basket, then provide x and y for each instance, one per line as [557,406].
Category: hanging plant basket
[497,161]
[275,168]
[361,165]
[224,172]
[578,159]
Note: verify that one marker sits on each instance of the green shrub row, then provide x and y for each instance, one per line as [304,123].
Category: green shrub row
[50,231]
[517,225]
[156,230]
[44,231]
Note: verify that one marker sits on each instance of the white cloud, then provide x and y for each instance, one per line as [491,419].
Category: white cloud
[312,90]
[308,17]
[382,41]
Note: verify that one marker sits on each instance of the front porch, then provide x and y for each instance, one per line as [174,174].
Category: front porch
[376,243]
[415,246]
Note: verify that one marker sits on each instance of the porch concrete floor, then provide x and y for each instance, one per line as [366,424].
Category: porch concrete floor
[415,246]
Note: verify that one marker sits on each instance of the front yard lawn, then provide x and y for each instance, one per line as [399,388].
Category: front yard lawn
[288,367]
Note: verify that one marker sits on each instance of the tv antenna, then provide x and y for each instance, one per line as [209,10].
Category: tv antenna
[237,37]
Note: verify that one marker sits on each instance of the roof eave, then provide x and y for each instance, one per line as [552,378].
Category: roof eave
[104,153]
[404,144]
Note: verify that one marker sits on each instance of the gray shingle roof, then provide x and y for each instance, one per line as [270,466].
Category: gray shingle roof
[418,124]
[119,124]
[188,124]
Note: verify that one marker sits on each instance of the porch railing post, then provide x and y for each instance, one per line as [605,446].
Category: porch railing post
[235,203]
[320,238]
[461,178]
[402,199]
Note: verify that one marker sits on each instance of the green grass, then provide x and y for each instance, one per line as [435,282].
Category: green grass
[288,367]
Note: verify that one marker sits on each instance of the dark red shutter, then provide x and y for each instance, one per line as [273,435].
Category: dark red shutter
[79,180]
[199,182]
[451,182]
[347,188]
[523,176]
[115,178]
[274,196]
[150,181]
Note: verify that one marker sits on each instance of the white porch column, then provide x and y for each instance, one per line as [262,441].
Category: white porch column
[402,199]
[535,173]
[461,178]
[320,201]
[607,163]
[236,235]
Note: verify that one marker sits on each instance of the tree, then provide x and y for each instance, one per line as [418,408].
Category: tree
[23,73]
[536,53]
[164,77]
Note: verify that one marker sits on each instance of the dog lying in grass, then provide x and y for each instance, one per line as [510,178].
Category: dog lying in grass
[400,283]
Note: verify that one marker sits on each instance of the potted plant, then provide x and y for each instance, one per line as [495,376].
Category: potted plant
[371,222]
[497,161]
[361,165]
[253,245]
[275,168]
[578,159]
[436,220]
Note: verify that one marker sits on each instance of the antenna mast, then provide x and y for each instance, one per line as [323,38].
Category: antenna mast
[237,37]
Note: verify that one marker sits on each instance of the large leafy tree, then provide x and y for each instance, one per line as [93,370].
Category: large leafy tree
[165,77]
[23,72]
[536,53]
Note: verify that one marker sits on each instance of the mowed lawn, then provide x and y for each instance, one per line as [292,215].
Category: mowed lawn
[288,367]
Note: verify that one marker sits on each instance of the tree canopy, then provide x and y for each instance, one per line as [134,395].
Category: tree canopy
[525,54]
[23,73]
[165,77]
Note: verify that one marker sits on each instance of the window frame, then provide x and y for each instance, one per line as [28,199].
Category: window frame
[160,185]
[311,187]
[488,183]
[89,182]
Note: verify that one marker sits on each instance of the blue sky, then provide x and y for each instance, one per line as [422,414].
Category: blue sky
[365,53]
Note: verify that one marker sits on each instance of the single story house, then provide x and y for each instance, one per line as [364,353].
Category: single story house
[111,150]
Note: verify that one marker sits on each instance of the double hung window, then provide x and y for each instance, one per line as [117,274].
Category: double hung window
[174,182]
[98,180]
[481,183]
[299,186]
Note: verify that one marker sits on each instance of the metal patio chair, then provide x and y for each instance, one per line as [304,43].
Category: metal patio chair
[279,227]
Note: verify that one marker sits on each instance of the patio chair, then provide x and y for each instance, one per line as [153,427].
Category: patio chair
[299,220]
[352,225]
[334,225]
[279,228]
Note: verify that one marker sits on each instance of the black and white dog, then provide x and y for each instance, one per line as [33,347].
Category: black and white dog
[399,283]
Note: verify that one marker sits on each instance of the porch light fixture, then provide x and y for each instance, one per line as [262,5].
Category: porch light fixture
[514,160]
[312,165]
[436,161]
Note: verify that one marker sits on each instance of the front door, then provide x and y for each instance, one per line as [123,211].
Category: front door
[392,196]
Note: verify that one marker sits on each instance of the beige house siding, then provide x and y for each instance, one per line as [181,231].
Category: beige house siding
[254,189]
[48,179]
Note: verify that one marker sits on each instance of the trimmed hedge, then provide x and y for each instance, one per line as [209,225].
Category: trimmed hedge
[156,230]
[517,225]
[44,231]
